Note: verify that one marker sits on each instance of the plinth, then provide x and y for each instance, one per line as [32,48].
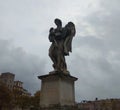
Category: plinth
[57,89]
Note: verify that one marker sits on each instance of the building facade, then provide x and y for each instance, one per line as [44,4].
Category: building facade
[105,104]
[26,93]
[8,79]
[18,87]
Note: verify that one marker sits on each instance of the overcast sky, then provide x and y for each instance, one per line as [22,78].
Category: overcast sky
[95,60]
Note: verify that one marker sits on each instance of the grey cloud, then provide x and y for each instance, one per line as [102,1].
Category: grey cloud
[95,58]
[96,55]
[25,66]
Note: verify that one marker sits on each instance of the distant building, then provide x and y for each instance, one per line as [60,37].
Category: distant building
[26,93]
[18,87]
[106,104]
[7,78]
[86,105]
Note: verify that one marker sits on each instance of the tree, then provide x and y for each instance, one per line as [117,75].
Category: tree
[24,101]
[36,100]
[17,94]
[113,104]
[21,100]
[6,96]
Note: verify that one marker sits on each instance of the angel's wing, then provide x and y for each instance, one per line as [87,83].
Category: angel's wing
[70,27]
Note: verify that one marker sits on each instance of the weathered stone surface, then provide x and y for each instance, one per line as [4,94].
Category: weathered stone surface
[61,108]
[57,89]
[61,44]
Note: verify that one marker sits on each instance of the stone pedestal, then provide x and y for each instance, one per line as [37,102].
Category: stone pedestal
[57,89]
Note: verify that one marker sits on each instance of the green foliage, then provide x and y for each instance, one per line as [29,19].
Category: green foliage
[21,100]
[36,100]
[15,98]
[6,96]
[24,101]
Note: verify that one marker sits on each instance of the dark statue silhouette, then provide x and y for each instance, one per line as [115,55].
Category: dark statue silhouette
[61,38]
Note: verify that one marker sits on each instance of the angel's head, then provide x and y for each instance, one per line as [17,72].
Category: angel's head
[58,22]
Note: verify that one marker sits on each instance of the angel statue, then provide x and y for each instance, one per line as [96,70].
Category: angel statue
[61,38]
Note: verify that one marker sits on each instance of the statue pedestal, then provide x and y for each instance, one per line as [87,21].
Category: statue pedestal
[57,89]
